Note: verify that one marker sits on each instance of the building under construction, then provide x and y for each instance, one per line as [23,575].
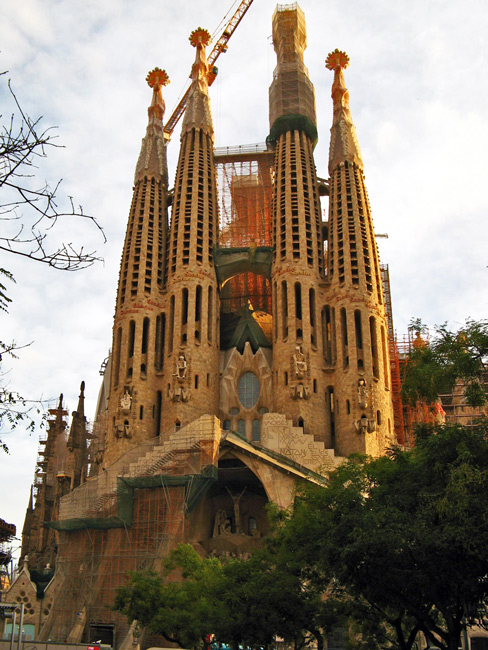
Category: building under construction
[250,350]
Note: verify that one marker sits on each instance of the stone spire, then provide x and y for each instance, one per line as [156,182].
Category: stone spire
[359,347]
[343,143]
[191,360]
[77,442]
[134,392]
[197,114]
[152,159]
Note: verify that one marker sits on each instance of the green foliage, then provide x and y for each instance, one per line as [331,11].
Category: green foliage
[405,535]
[434,368]
[241,602]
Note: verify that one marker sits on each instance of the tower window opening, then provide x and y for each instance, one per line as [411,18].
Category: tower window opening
[311,300]
[196,381]
[141,412]
[286,378]
[345,344]
[171,324]
[184,307]
[159,342]
[145,335]
[359,339]
[118,343]
[284,308]
[208,380]
[327,334]
[157,417]
[210,314]
[177,425]
[331,412]
[384,350]
[348,407]
[132,336]
[314,385]
[374,347]
[298,301]
[378,417]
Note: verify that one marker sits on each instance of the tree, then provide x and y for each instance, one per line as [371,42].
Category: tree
[29,210]
[240,602]
[405,535]
[433,368]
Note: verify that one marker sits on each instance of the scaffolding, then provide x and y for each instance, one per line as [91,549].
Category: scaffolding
[125,519]
[244,178]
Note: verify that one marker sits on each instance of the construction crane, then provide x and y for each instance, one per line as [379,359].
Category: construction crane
[220,46]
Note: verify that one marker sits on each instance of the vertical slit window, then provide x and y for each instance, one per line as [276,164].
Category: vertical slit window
[345,343]
[145,335]
[374,347]
[118,343]
[298,301]
[384,350]
[171,324]
[284,308]
[311,300]
[160,340]
[210,314]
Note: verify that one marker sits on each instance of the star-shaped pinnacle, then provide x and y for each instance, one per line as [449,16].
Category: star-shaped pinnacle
[337,60]
[157,78]
[200,36]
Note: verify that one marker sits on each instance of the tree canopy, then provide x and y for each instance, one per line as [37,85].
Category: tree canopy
[240,602]
[406,535]
[434,366]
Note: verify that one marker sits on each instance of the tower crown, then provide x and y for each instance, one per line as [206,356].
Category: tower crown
[197,114]
[155,80]
[344,144]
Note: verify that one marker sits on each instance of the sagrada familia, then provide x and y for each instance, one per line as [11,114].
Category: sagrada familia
[250,353]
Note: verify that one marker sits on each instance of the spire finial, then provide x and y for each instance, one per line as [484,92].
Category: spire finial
[338,61]
[200,37]
[155,80]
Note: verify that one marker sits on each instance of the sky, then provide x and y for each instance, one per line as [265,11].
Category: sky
[419,99]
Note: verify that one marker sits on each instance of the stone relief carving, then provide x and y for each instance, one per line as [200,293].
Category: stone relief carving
[299,363]
[363,393]
[179,392]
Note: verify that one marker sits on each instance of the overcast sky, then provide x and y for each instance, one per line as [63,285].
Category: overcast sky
[419,98]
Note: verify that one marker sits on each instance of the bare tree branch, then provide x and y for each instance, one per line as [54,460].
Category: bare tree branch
[22,144]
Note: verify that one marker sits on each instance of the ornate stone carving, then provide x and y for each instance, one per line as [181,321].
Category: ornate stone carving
[300,363]
[363,393]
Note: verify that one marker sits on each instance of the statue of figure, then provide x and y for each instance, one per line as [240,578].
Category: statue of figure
[237,515]
[363,393]
[181,367]
[126,400]
[219,523]
[300,363]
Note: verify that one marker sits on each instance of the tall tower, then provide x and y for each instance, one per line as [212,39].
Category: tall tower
[360,398]
[191,359]
[134,403]
[298,263]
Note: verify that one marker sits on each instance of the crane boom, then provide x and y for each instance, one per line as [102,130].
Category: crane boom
[219,47]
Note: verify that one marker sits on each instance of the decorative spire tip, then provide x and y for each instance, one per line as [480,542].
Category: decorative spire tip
[200,37]
[157,78]
[337,60]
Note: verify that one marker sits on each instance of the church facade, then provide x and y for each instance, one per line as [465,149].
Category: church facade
[249,352]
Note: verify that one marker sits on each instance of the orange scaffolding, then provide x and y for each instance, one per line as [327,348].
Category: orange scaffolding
[244,178]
